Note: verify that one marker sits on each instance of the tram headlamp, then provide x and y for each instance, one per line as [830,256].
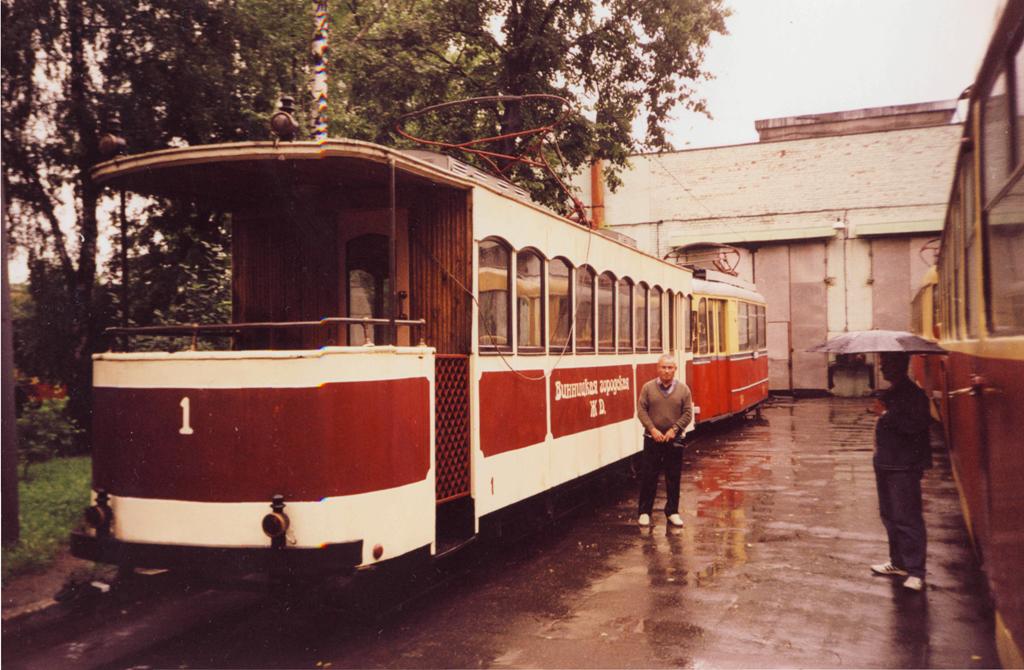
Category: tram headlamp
[99,516]
[275,524]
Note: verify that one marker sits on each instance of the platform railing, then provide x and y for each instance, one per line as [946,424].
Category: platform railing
[197,330]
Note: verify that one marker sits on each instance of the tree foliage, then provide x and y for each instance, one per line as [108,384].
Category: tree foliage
[181,72]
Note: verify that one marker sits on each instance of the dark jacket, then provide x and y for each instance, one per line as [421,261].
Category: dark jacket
[901,434]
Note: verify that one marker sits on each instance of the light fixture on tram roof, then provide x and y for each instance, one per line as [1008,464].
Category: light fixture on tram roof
[283,123]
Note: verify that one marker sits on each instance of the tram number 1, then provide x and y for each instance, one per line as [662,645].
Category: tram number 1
[597,408]
[186,428]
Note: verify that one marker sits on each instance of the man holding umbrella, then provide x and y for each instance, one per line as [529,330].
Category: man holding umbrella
[902,449]
[902,454]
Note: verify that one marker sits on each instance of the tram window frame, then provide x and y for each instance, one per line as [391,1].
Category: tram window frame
[689,331]
[561,340]
[586,278]
[536,343]
[972,264]
[656,319]
[670,297]
[606,312]
[997,135]
[743,335]
[624,315]
[722,323]
[484,305]
[762,327]
[702,327]
[1006,262]
[641,331]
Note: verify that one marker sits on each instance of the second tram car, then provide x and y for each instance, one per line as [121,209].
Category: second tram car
[974,305]
[417,351]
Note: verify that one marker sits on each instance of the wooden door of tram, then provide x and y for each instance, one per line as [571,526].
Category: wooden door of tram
[455,512]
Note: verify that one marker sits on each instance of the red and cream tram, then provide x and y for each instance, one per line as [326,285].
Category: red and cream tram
[975,307]
[417,350]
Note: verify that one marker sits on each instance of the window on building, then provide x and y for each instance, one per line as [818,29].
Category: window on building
[530,301]
[654,309]
[640,317]
[585,281]
[606,312]
[559,303]
[625,309]
[495,295]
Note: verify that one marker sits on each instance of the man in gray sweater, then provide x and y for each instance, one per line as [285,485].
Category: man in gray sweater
[665,410]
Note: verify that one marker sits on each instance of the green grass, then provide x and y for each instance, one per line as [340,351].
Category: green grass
[51,501]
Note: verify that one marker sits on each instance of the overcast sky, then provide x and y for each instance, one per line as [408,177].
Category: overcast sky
[792,57]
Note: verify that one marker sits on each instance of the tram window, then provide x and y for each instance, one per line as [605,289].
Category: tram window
[584,309]
[721,325]
[690,328]
[606,312]
[971,265]
[702,327]
[671,300]
[625,309]
[655,319]
[366,260]
[1005,243]
[559,303]
[742,315]
[762,334]
[495,295]
[530,301]
[640,318]
[996,138]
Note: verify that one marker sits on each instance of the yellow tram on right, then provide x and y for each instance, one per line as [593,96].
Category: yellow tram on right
[973,305]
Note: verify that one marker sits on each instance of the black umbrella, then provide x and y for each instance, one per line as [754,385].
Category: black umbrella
[878,341]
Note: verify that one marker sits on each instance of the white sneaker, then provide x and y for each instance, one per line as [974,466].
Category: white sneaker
[913,583]
[675,520]
[888,569]
[644,520]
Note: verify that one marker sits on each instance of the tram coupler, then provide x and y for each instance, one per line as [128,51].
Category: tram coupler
[275,524]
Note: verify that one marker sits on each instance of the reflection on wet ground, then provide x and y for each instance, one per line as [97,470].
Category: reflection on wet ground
[771,570]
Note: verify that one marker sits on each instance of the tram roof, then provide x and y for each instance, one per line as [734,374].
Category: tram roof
[233,172]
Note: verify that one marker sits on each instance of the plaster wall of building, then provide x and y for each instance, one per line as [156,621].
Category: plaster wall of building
[829,227]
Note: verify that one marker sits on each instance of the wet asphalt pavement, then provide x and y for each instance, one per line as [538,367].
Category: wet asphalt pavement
[771,570]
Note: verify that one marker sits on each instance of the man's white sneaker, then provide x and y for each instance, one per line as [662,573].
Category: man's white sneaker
[913,583]
[644,520]
[675,520]
[888,569]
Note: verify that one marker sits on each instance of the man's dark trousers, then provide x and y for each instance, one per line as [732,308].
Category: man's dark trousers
[660,457]
[899,503]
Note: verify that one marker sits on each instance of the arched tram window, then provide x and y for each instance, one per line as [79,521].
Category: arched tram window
[530,301]
[655,319]
[640,320]
[625,310]
[585,280]
[495,295]
[606,312]
[560,304]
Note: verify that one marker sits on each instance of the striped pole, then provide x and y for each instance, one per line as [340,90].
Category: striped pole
[319,87]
